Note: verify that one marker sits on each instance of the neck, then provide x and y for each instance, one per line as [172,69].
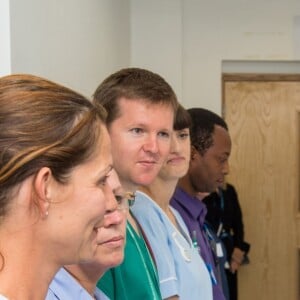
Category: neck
[185,184]
[128,186]
[161,192]
[201,195]
[25,266]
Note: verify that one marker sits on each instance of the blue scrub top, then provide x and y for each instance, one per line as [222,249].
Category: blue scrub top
[181,270]
[65,287]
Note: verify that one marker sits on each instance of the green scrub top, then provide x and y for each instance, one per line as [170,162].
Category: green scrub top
[136,278]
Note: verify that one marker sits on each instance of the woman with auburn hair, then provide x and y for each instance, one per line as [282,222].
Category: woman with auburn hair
[55,161]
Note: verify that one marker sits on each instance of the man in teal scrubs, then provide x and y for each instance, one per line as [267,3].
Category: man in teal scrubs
[141,107]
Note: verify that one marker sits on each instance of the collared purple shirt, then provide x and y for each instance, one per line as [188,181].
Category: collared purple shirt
[193,212]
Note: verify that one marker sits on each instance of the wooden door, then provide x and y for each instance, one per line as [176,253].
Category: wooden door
[263,115]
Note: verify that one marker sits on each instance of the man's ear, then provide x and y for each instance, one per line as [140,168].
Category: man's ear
[194,152]
[42,187]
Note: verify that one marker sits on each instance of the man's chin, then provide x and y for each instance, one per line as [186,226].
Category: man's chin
[146,180]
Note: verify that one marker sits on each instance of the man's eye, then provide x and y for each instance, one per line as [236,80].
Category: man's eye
[137,130]
[222,160]
[164,134]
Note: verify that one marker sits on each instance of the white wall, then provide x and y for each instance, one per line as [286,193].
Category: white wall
[211,31]
[5,66]
[156,38]
[77,43]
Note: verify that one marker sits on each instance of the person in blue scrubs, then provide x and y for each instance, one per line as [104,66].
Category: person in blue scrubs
[182,272]
[52,150]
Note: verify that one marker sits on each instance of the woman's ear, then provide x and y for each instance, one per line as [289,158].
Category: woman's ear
[42,187]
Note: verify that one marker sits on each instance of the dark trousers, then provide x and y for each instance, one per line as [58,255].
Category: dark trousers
[232,285]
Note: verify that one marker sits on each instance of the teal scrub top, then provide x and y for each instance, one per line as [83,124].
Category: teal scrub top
[136,278]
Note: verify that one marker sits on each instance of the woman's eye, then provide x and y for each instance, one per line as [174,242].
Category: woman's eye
[183,135]
[102,181]
[122,201]
[119,198]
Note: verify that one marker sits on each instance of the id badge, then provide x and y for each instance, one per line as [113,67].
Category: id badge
[219,250]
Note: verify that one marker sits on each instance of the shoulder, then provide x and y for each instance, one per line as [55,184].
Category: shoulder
[142,201]
[99,295]
[230,188]
[50,295]
[146,209]
[65,287]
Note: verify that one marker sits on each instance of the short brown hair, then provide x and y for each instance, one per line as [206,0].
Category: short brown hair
[133,83]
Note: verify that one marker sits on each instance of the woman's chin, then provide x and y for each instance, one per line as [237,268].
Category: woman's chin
[116,260]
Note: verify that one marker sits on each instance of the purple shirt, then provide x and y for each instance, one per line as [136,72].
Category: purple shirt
[193,212]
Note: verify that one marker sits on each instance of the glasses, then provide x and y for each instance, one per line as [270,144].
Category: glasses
[130,198]
[125,201]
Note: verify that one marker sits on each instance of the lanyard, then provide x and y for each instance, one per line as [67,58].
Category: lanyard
[211,241]
[220,227]
[221,198]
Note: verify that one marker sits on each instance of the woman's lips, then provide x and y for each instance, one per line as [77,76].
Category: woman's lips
[175,160]
[114,242]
